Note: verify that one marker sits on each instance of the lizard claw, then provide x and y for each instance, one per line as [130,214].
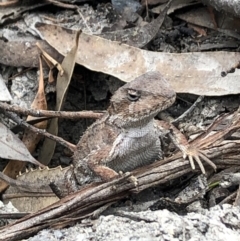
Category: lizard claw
[194,154]
[131,179]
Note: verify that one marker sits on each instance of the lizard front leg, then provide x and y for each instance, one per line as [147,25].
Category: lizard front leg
[188,150]
[94,166]
[97,162]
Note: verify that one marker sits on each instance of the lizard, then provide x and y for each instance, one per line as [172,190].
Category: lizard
[128,136]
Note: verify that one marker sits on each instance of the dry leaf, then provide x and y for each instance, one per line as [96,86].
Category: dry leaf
[50,59]
[4,93]
[138,36]
[25,52]
[63,82]
[30,139]
[12,148]
[198,29]
[34,202]
[225,5]
[202,17]
[15,12]
[196,73]
[176,5]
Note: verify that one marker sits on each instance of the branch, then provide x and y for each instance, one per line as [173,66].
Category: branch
[25,125]
[82,204]
[48,113]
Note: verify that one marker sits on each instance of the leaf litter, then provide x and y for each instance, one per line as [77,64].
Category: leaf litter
[197,73]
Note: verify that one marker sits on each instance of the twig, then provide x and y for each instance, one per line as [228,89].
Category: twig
[25,125]
[186,113]
[71,6]
[51,59]
[48,113]
[228,198]
[81,204]
[84,20]
[8,3]
[13,215]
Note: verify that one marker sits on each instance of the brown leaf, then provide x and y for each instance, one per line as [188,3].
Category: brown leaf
[25,52]
[202,17]
[63,82]
[198,29]
[50,59]
[36,200]
[30,139]
[196,73]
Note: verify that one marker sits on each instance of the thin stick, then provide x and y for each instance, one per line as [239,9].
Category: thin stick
[189,111]
[48,113]
[25,125]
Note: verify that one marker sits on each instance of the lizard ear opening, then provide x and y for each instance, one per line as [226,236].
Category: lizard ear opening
[133,95]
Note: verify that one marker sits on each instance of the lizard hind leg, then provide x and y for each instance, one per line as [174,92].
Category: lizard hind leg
[71,181]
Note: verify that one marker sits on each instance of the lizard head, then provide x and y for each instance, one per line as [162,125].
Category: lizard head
[140,100]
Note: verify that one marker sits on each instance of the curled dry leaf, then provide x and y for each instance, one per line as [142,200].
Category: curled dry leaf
[50,59]
[63,81]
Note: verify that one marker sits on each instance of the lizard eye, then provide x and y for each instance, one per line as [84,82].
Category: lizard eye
[133,95]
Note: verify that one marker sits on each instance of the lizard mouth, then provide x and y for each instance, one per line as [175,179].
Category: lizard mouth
[140,100]
[137,113]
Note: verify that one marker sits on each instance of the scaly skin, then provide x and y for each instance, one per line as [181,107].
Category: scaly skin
[127,136]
